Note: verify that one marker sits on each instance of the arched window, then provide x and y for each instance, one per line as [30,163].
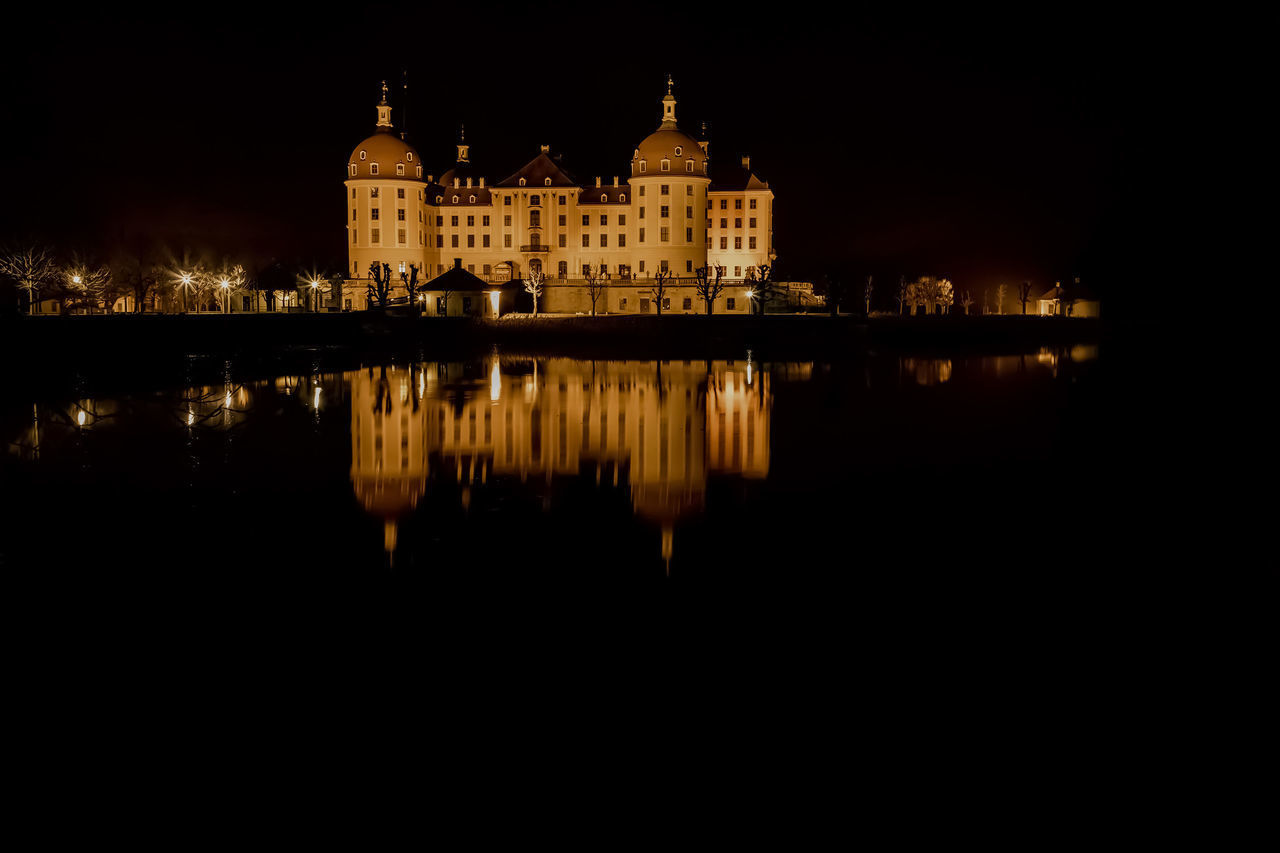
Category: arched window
[547,182]
[409,155]
[373,168]
[604,197]
[473,199]
[399,168]
[643,166]
[362,154]
[522,182]
[439,199]
[666,165]
[622,197]
[455,199]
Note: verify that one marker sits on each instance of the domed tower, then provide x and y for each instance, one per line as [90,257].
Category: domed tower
[669,180]
[386,216]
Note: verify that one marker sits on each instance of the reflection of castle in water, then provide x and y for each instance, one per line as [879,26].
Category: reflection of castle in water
[663,428]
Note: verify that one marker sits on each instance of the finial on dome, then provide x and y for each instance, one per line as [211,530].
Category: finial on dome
[463,147]
[384,111]
[669,107]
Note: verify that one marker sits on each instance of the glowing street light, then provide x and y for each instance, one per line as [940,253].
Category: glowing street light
[184,278]
[226,295]
[315,291]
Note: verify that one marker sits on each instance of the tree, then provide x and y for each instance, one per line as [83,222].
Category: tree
[944,297]
[967,302]
[1000,291]
[138,271]
[31,268]
[710,284]
[88,284]
[866,297]
[904,293]
[1024,295]
[762,287]
[533,285]
[410,281]
[594,275]
[379,289]
[1067,296]
[661,281]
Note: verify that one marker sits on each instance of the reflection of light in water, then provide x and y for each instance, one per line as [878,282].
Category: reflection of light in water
[1084,352]
[80,418]
[316,402]
[495,383]
[928,371]
[191,417]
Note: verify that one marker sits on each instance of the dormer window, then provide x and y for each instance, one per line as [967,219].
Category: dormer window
[439,199]
[603,197]
[704,167]
[666,165]
[353,170]
[688,165]
[473,199]
[419,171]
[362,155]
[399,168]
[373,168]
[455,199]
[643,166]
[547,182]
[622,197]
[522,182]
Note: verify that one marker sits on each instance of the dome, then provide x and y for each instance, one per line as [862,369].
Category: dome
[670,144]
[388,151]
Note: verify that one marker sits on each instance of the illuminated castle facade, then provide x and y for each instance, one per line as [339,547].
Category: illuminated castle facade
[669,214]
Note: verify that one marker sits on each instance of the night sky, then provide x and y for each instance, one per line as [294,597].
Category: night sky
[984,147]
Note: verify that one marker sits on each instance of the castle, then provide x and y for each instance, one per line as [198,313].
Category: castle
[671,214]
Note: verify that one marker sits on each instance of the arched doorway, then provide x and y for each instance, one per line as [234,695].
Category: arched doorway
[535,265]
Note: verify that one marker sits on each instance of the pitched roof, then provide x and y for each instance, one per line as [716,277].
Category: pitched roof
[603,195]
[536,172]
[732,178]
[455,279]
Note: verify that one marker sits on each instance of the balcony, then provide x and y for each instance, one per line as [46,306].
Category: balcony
[535,247]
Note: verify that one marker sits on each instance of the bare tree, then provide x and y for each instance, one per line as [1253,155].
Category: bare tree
[534,283]
[710,284]
[866,297]
[762,287]
[87,284]
[446,290]
[661,280]
[594,275]
[1000,291]
[904,293]
[1024,295]
[410,281]
[967,302]
[31,268]
[139,271]
[379,287]
[986,302]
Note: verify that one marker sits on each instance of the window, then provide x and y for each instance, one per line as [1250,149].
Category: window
[522,182]
[604,219]
[664,234]
[562,220]
[506,241]
[507,201]
[353,237]
[473,199]
[666,165]
[506,220]
[751,242]
[679,150]
[353,174]
[419,174]
[642,240]
[353,214]
[753,204]
[604,241]
[688,303]
[563,241]
[665,212]
[471,221]
[453,220]
[724,243]
[400,214]
[622,197]
[737,242]
[737,204]
[399,168]
[485,241]
[373,168]
[487,270]
[466,305]
[737,272]
[439,199]
[688,165]
[665,189]
[586,270]
[737,222]
[688,235]
[724,222]
[535,200]
[622,304]
[400,238]
[562,199]
[439,241]
[642,211]
[563,269]
[751,223]
[373,192]
[688,213]
[547,182]
[471,241]
[688,266]
[484,220]
[644,305]
[642,266]
[377,235]
[642,190]
[439,221]
[663,265]
[453,241]
[724,203]
[362,155]
[622,241]
[353,193]
[729,303]
[642,169]
[622,220]
[373,214]
[586,219]
[586,241]
[535,219]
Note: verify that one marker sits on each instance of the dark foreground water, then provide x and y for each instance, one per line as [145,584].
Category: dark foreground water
[513,468]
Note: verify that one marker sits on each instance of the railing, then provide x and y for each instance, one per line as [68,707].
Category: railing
[539,247]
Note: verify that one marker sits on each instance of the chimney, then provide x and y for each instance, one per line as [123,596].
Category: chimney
[468,183]
[615,180]
[597,182]
[431,179]
[482,183]
[455,183]
[746,162]
[457,263]
[545,148]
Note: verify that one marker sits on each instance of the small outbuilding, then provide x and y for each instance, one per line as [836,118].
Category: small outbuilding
[460,293]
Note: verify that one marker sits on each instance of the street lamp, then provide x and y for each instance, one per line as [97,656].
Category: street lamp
[226,295]
[186,282]
[315,291]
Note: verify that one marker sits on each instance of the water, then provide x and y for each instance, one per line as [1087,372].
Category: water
[519,468]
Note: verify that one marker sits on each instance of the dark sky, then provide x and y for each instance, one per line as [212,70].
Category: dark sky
[983,146]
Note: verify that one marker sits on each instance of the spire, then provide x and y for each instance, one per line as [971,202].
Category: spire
[669,107]
[384,111]
[464,150]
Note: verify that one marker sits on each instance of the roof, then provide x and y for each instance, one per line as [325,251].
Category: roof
[735,178]
[387,150]
[672,144]
[604,195]
[536,172]
[455,279]
[464,194]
